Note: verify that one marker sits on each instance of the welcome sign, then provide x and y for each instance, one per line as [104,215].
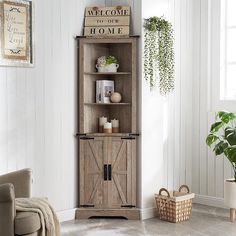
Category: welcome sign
[107,21]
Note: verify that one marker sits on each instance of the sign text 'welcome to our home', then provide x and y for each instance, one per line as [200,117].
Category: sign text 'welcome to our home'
[107,21]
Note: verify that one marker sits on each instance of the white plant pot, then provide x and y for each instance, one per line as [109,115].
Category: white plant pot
[230,193]
[108,68]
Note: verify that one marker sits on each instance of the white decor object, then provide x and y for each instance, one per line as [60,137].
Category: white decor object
[115,126]
[104,89]
[107,127]
[106,64]
[102,121]
[230,196]
[116,97]
[112,68]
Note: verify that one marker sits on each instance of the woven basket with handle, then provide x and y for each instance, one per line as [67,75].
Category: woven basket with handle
[174,206]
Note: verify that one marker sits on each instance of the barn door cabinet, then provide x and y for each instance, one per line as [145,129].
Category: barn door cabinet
[107,161]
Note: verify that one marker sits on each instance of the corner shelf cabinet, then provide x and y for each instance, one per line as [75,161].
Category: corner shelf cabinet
[107,161]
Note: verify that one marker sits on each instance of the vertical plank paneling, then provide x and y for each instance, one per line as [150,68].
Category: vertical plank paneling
[183,85]
[3,120]
[196,97]
[189,97]
[211,178]
[22,118]
[204,97]
[177,156]
[12,134]
[38,74]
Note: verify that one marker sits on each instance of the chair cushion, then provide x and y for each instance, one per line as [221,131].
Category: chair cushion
[27,223]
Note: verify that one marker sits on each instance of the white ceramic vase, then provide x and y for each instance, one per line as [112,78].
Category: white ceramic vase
[107,68]
[230,193]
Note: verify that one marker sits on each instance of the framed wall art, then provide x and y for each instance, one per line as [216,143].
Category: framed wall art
[16,40]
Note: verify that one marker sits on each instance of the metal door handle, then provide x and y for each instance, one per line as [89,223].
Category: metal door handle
[105,172]
[109,172]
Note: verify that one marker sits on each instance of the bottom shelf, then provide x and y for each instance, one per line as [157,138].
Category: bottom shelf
[130,214]
[108,135]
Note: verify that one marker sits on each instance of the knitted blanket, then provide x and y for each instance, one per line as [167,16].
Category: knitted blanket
[50,225]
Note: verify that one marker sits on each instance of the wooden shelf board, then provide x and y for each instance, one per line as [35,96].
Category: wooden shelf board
[107,104]
[124,37]
[108,135]
[107,73]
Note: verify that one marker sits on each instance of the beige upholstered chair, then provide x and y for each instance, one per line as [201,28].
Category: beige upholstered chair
[16,185]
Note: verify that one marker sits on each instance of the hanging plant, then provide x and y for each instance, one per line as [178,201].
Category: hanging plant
[159,53]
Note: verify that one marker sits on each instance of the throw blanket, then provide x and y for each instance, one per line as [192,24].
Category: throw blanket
[50,225]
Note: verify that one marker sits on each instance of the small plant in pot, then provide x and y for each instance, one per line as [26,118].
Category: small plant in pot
[107,64]
[222,137]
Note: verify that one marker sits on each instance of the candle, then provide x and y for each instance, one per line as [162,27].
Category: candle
[102,121]
[107,128]
[115,126]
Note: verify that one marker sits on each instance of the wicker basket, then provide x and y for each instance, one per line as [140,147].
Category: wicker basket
[176,206]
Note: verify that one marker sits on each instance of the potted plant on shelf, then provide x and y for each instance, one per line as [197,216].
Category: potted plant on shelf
[107,64]
[223,138]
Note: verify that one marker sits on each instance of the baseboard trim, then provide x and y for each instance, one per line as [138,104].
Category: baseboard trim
[86,213]
[66,215]
[148,213]
[209,201]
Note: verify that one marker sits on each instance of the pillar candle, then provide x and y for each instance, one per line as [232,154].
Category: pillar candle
[115,126]
[107,127]
[102,121]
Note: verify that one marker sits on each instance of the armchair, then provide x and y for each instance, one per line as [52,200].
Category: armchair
[17,185]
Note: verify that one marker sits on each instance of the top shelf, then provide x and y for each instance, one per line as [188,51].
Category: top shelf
[108,73]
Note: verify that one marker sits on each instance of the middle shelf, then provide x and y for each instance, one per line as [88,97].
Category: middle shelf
[107,104]
[107,73]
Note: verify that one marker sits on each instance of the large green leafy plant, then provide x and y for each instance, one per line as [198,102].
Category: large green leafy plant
[159,53]
[223,137]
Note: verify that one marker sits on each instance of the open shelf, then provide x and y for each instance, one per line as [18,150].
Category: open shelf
[124,83]
[107,104]
[108,73]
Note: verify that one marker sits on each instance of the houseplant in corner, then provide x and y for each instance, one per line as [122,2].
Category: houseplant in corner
[222,137]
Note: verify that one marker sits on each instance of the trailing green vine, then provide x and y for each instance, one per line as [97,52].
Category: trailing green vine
[159,53]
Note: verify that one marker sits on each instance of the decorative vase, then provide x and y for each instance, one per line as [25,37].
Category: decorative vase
[230,196]
[116,97]
[107,68]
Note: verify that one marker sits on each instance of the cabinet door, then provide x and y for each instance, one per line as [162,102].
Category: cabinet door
[122,184]
[93,188]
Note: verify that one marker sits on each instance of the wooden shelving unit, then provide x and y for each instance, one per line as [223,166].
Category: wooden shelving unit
[107,161]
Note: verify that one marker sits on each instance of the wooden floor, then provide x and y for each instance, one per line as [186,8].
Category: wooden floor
[204,221]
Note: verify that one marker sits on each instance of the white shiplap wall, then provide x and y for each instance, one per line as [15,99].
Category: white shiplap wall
[189,110]
[178,108]
[38,105]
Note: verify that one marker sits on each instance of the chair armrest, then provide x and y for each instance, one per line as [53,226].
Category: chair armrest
[7,193]
[7,209]
[22,181]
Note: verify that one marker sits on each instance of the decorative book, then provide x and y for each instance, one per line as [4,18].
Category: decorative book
[104,89]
